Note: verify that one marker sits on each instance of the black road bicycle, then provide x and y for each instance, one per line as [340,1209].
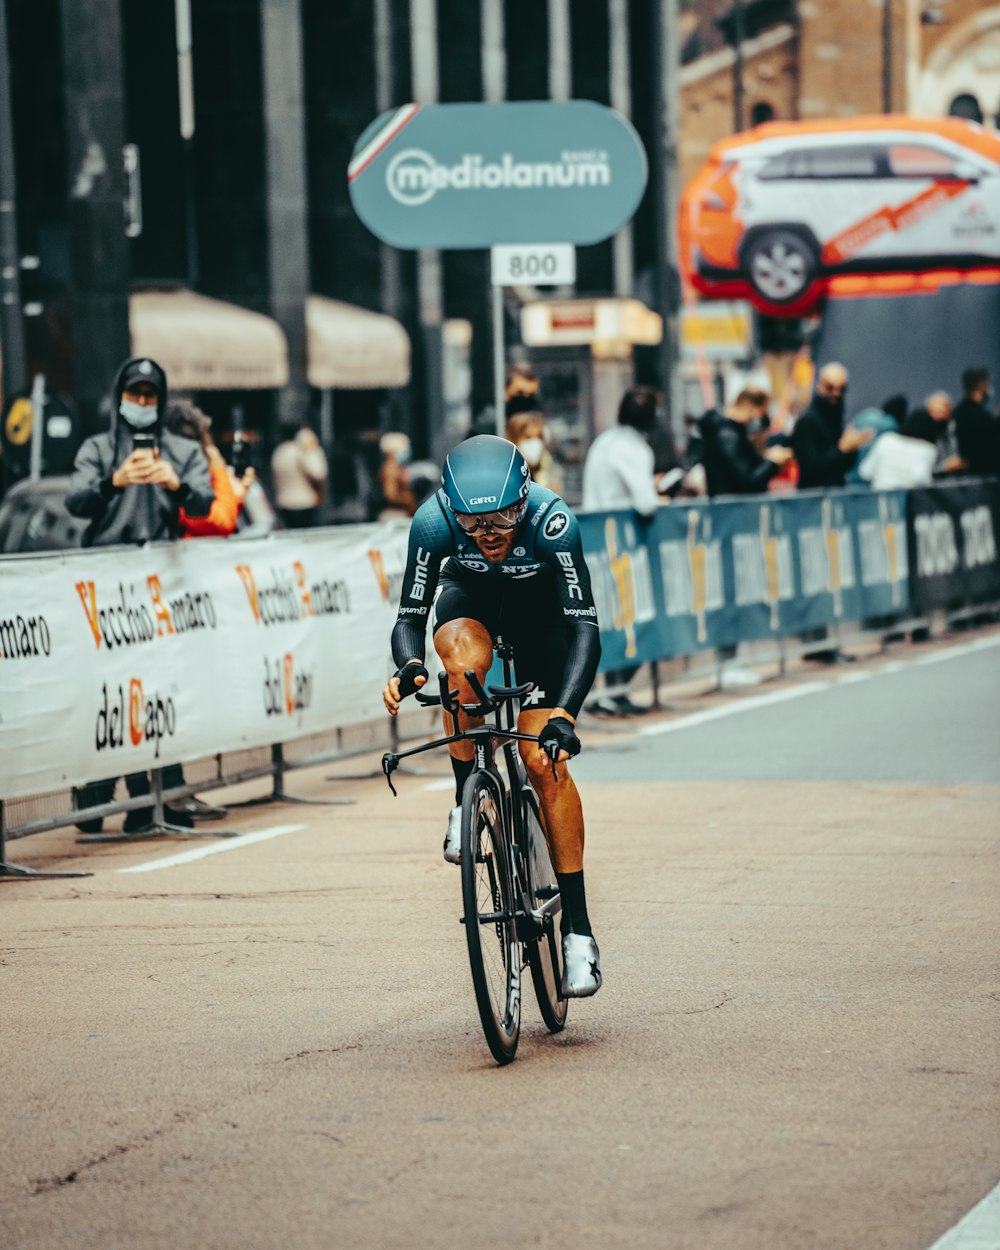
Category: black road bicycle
[509,891]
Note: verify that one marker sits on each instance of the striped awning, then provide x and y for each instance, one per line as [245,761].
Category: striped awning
[354,349]
[206,344]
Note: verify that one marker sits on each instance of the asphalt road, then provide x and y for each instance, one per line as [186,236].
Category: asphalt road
[275,1046]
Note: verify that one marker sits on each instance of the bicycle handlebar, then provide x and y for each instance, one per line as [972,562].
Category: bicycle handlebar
[487,703]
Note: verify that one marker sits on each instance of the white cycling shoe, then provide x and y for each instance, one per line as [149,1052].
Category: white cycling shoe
[453,838]
[581,966]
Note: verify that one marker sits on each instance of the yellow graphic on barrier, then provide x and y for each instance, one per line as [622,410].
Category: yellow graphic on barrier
[698,561]
[834,573]
[624,579]
[896,568]
[769,545]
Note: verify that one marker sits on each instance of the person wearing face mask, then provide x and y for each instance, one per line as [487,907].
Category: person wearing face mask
[132,481]
[526,430]
[824,448]
[131,484]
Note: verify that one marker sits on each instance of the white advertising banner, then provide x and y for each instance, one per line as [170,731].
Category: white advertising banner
[117,661]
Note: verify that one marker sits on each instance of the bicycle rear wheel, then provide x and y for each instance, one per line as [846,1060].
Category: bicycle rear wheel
[545,951]
[490,925]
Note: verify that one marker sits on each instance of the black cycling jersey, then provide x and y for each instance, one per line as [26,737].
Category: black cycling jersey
[542,588]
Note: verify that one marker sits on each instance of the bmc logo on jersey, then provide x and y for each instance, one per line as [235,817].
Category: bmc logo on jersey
[572,576]
[555,525]
[482,499]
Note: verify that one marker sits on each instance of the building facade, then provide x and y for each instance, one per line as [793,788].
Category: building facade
[238,191]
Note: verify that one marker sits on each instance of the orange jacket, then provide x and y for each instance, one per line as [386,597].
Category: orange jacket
[222,516]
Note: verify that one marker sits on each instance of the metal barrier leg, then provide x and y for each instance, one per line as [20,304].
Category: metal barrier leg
[159,826]
[18,872]
[278,792]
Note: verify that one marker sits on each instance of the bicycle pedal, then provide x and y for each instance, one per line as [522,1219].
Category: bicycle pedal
[547,891]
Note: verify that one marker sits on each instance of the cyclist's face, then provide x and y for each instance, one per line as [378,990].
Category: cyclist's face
[492,532]
[495,546]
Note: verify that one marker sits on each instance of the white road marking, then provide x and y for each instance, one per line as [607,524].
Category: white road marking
[979,1230]
[730,709]
[446,783]
[962,648]
[214,848]
[813,687]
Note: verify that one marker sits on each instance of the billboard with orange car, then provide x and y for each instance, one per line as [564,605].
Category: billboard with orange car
[780,210]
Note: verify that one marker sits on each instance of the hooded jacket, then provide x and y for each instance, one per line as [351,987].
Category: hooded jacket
[733,466]
[139,513]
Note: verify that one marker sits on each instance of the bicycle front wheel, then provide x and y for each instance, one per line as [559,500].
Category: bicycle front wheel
[490,923]
[545,951]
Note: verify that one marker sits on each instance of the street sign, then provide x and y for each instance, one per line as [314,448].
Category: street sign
[476,175]
[718,331]
[576,322]
[539,264]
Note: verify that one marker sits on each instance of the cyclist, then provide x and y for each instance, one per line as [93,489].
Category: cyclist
[513,567]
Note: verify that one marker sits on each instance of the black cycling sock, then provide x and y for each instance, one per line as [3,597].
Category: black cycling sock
[574,904]
[463,771]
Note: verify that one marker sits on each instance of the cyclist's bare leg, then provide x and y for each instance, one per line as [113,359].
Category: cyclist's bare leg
[562,810]
[463,644]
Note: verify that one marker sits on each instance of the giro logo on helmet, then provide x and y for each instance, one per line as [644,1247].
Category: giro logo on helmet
[482,499]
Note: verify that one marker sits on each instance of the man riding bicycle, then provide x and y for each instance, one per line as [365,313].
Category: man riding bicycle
[513,568]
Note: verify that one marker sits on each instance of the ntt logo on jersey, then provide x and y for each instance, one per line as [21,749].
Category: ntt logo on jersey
[413,177]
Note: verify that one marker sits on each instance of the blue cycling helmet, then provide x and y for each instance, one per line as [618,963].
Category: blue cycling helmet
[485,474]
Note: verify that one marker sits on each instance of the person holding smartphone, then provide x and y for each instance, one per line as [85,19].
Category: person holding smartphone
[132,481]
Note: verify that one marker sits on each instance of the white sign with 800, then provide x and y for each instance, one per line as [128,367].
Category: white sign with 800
[533,264]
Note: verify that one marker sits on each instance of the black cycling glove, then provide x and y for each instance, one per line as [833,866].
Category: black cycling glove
[559,735]
[408,675]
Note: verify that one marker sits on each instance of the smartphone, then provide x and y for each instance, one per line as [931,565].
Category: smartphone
[143,441]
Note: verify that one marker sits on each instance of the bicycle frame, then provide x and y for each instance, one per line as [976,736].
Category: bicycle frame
[485,739]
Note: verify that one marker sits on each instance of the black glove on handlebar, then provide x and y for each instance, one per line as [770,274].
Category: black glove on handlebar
[408,675]
[559,735]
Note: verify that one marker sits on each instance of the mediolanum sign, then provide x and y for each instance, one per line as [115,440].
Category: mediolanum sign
[476,175]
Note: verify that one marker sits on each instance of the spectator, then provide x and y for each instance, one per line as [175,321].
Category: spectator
[880,423]
[618,474]
[824,449]
[618,471]
[395,491]
[299,470]
[186,420]
[521,390]
[897,406]
[135,494]
[257,517]
[528,433]
[978,430]
[932,423]
[130,494]
[898,462]
[734,466]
